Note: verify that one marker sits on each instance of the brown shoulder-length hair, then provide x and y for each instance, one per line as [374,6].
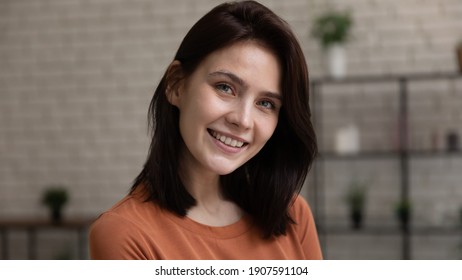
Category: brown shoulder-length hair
[266,185]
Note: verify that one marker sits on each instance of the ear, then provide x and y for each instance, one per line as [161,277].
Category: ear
[174,79]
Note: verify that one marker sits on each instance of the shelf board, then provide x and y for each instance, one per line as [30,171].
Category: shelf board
[436,153]
[360,155]
[390,230]
[387,78]
[388,155]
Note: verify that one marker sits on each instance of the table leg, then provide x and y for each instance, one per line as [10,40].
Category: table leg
[82,243]
[4,233]
[31,244]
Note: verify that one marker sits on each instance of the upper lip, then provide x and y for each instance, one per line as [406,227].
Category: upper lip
[230,135]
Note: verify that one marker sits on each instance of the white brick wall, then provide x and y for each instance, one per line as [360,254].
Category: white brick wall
[76,78]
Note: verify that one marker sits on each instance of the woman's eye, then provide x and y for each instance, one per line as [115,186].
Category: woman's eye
[224,88]
[266,104]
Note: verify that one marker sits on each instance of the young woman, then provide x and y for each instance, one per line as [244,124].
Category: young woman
[232,143]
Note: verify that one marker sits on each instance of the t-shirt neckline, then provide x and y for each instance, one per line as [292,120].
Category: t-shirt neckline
[235,229]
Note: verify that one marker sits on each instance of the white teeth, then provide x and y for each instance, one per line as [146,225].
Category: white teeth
[227,140]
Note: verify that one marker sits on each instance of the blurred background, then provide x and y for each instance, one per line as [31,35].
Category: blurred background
[77,76]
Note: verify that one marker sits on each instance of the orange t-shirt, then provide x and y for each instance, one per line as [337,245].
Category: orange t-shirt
[134,229]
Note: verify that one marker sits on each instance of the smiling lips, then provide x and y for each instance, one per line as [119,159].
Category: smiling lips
[227,140]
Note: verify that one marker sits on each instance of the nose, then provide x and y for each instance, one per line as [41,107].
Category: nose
[241,115]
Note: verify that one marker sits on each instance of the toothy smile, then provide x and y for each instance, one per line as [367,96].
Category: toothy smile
[226,140]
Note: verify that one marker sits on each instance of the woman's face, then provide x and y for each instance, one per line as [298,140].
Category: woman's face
[229,107]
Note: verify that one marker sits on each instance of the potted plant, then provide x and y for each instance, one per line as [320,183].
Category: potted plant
[403,213]
[332,29]
[356,198]
[459,55]
[460,216]
[55,198]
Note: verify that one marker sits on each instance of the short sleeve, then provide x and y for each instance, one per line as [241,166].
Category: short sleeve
[306,229]
[113,237]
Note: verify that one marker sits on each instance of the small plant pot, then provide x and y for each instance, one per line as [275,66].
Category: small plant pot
[459,57]
[403,212]
[356,219]
[460,217]
[56,215]
[404,221]
[452,140]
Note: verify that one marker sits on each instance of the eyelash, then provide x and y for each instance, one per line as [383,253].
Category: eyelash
[221,86]
[225,88]
[271,104]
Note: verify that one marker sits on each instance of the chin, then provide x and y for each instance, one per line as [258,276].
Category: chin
[224,170]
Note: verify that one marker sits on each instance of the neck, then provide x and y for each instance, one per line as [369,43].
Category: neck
[211,208]
[202,184]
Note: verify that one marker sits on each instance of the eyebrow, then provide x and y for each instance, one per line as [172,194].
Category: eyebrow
[242,83]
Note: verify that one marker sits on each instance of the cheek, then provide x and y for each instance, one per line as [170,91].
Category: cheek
[191,110]
[267,129]
[194,116]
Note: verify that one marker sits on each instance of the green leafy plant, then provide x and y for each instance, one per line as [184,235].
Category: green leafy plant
[460,216]
[459,55]
[403,211]
[332,28]
[356,198]
[55,197]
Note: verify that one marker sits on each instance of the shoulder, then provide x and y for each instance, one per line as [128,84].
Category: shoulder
[134,209]
[117,217]
[305,228]
[118,233]
[303,218]
[123,213]
[300,209]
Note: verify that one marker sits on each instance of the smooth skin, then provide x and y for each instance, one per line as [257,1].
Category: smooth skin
[229,109]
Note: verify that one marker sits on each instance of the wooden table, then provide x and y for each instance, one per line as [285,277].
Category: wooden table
[32,226]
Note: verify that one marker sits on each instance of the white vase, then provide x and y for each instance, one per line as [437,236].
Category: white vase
[347,140]
[336,60]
